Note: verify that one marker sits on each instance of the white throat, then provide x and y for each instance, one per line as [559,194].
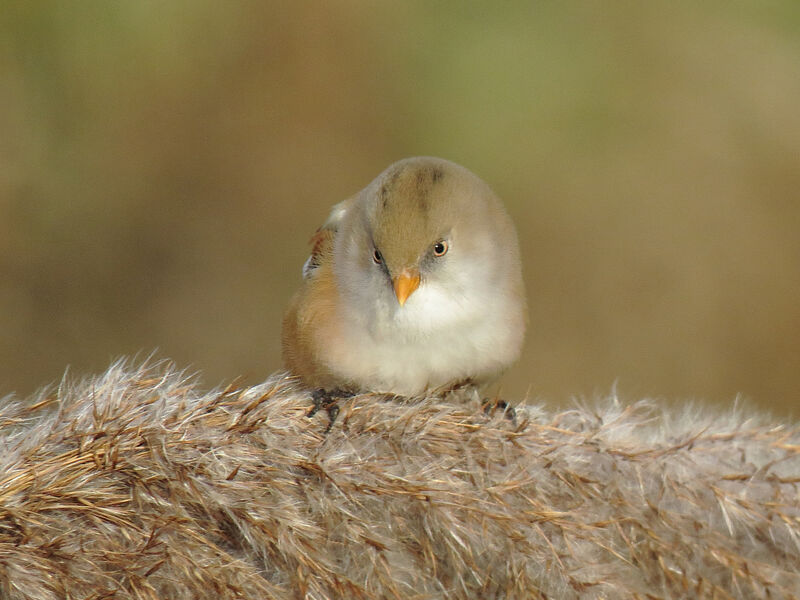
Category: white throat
[437,338]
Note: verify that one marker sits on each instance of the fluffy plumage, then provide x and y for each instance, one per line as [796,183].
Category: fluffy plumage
[384,308]
[138,484]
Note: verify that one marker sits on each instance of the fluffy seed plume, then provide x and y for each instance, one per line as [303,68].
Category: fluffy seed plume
[137,484]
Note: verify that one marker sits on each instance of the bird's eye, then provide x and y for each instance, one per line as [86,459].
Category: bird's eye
[440,248]
[377,257]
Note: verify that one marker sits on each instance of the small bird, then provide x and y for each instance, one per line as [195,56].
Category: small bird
[413,286]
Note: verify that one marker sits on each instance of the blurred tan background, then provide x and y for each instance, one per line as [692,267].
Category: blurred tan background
[162,166]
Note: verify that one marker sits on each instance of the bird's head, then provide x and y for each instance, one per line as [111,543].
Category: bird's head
[426,237]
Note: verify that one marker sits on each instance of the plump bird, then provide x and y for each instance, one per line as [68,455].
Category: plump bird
[413,286]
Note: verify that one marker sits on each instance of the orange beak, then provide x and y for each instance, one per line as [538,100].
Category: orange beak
[405,284]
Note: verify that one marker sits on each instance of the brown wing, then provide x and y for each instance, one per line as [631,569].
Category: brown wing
[321,250]
[311,320]
[322,241]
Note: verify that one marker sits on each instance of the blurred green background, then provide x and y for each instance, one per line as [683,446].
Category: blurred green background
[163,164]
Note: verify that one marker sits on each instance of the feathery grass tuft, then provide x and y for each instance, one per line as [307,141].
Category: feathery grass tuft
[137,484]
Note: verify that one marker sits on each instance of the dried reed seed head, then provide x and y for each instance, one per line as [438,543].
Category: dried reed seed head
[137,484]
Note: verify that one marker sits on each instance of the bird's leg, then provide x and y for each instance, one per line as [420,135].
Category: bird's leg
[457,387]
[490,404]
[319,397]
[328,399]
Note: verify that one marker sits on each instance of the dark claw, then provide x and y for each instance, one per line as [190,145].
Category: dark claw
[508,410]
[319,397]
[329,401]
[333,412]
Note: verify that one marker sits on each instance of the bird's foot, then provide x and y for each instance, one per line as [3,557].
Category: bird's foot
[327,399]
[455,388]
[490,405]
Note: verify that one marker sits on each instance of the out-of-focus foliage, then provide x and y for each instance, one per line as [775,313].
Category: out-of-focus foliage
[162,166]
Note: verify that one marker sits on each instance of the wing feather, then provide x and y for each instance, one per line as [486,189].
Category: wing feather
[322,240]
